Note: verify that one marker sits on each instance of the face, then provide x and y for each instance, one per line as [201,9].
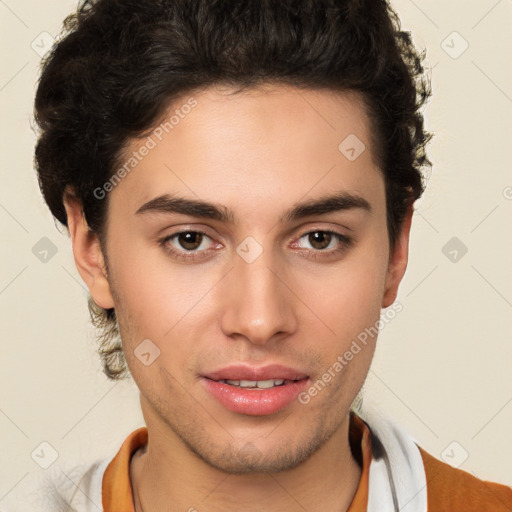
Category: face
[272,261]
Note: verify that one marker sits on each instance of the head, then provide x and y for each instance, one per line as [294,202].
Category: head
[284,141]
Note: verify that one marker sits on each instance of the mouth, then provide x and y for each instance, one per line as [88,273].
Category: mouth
[255,391]
[258,384]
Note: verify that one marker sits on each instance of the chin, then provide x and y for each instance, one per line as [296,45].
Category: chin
[248,458]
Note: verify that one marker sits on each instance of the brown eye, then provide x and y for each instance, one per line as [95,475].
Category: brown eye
[189,246]
[193,242]
[190,240]
[323,243]
[320,239]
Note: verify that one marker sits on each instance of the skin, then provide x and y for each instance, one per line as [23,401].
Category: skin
[257,153]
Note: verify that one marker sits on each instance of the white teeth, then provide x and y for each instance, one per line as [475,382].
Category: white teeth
[260,384]
[265,384]
[248,383]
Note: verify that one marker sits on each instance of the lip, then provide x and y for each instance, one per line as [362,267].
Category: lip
[246,372]
[254,401]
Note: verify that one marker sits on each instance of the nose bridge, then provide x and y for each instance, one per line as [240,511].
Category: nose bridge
[258,305]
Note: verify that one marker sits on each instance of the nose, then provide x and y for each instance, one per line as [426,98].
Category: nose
[257,304]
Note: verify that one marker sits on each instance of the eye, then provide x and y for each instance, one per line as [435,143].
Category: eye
[319,240]
[189,240]
[192,245]
[323,241]
[188,244]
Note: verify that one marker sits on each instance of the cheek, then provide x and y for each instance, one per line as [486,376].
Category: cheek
[155,299]
[347,297]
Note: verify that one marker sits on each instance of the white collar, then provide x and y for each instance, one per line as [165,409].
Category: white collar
[397,479]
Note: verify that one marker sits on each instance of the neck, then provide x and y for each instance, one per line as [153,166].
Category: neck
[166,472]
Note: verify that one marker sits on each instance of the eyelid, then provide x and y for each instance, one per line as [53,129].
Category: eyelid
[185,228]
[183,255]
[344,242]
[194,229]
[323,229]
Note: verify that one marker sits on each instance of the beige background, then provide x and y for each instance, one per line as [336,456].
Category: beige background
[443,365]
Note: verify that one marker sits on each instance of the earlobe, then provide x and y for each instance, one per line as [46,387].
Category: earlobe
[87,253]
[398,261]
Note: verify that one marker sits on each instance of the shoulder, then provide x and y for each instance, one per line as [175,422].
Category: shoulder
[75,488]
[453,489]
[421,482]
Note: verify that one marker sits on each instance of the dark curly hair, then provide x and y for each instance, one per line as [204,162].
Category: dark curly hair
[120,64]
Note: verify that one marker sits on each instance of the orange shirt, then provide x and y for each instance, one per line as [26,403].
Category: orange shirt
[453,490]
[116,489]
[448,489]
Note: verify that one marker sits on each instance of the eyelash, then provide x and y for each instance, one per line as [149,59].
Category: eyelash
[344,243]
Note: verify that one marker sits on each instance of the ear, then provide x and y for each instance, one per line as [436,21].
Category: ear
[87,252]
[398,261]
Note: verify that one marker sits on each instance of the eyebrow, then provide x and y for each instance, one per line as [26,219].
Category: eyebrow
[166,204]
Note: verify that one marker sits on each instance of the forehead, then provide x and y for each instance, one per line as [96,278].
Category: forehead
[266,143]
